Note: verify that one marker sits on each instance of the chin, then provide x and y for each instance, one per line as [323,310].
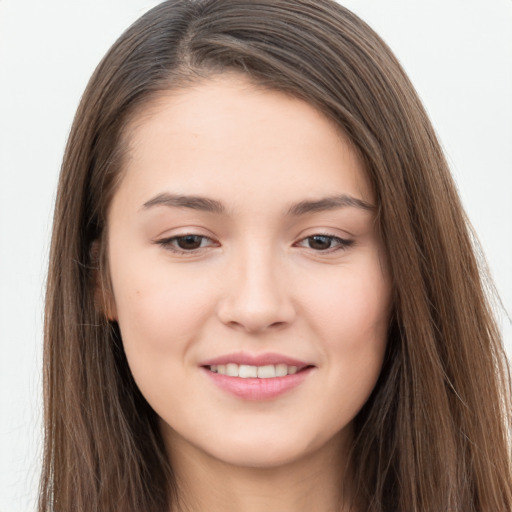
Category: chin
[261,457]
[256,441]
[270,451]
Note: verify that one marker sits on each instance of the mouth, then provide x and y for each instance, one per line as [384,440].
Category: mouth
[247,371]
[263,377]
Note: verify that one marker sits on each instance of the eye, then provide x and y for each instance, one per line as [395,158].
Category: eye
[325,243]
[186,243]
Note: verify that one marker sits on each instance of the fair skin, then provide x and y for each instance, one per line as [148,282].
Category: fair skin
[243,232]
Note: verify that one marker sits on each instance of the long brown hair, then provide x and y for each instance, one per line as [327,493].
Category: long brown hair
[434,435]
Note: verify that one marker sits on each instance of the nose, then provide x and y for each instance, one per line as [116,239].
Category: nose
[256,295]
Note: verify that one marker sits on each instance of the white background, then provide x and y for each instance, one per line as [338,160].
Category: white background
[457,52]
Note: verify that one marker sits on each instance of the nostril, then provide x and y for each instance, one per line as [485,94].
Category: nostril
[278,324]
[254,311]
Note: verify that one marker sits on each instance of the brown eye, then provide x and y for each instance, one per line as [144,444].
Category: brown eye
[186,243]
[320,242]
[189,242]
[325,243]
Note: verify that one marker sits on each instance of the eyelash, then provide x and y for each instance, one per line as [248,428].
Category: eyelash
[342,243]
[170,243]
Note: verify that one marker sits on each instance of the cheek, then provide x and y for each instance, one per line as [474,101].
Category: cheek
[355,307]
[158,310]
[160,316]
[352,315]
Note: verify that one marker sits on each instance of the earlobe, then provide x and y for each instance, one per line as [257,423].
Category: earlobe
[104,301]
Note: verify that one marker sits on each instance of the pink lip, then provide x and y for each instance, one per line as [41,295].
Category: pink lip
[253,388]
[258,389]
[256,360]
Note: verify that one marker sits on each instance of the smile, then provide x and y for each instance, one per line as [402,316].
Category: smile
[245,371]
[261,377]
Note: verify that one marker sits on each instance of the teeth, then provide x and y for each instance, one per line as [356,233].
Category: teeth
[232,370]
[267,372]
[246,371]
[281,370]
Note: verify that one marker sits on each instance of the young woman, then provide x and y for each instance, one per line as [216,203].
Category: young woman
[263,292]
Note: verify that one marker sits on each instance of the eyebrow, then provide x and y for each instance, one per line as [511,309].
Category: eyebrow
[301,208]
[329,203]
[180,201]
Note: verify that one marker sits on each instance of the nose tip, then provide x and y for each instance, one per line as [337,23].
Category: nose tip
[256,302]
[254,321]
[254,325]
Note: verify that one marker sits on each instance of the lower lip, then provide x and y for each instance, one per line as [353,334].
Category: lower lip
[258,389]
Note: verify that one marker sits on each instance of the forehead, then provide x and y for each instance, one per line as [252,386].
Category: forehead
[226,137]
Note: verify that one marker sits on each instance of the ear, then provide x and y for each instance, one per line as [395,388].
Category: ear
[104,301]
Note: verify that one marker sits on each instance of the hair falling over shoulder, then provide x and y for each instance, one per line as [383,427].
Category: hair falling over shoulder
[435,434]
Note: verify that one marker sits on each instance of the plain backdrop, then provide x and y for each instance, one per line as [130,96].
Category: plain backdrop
[458,53]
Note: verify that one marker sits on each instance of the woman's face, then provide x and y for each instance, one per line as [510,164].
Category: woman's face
[249,282]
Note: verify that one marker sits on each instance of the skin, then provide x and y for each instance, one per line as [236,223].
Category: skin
[258,283]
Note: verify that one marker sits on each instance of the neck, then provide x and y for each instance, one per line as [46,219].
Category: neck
[315,482]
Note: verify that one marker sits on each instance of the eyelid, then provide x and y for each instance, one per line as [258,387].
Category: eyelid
[342,243]
[167,243]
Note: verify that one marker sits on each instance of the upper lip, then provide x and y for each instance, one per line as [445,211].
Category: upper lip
[264,359]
